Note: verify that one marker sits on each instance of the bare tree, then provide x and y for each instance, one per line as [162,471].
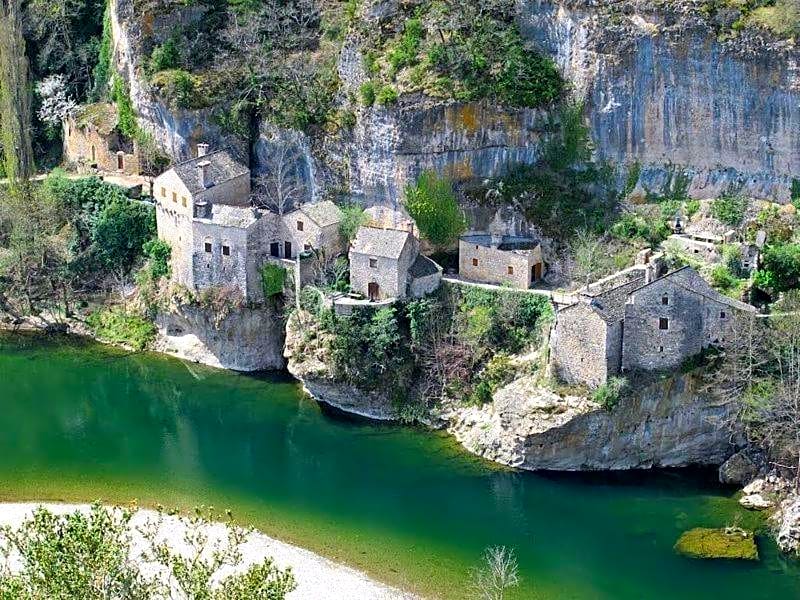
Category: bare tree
[498,573]
[588,256]
[281,187]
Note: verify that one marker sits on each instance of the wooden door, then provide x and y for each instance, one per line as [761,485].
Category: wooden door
[287,249]
[373,291]
[537,272]
[120,162]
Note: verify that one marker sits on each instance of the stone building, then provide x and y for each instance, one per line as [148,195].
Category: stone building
[641,324]
[311,227]
[701,246]
[386,263]
[93,141]
[500,259]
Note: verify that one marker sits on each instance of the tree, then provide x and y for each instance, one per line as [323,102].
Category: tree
[588,254]
[353,217]
[281,187]
[780,268]
[432,204]
[760,377]
[56,103]
[498,573]
[15,100]
[120,231]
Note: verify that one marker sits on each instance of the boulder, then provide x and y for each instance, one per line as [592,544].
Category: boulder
[788,522]
[729,542]
[738,469]
[755,502]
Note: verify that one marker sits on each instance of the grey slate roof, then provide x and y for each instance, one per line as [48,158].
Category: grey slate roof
[422,267]
[322,213]
[224,167]
[508,243]
[387,243]
[690,280]
[610,304]
[240,217]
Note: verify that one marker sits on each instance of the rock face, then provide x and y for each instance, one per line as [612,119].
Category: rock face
[669,423]
[247,339]
[788,520]
[659,88]
[738,469]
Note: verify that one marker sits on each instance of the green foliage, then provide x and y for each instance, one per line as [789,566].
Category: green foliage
[780,268]
[432,204]
[119,326]
[608,394]
[164,57]
[729,209]
[102,71]
[632,226]
[127,116]
[367,93]
[498,372]
[351,9]
[353,217]
[119,233]
[386,95]
[722,278]
[404,53]
[311,299]
[179,88]
[632,178]
[301,103]
[273,279]
[795,190]
[781,18]
[691,208]
[158,253]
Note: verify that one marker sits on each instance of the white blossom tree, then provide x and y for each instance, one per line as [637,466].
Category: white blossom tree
[57,104]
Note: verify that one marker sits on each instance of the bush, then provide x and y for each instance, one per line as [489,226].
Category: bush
[273,279]
[780,268]
[353,217]
[692,207]
[159,253]
[498,372]
[406,50]
[609,394]
[128,125]
[729,210]
[367,92]
[386,95]
[722,278]
[178,87]
[121,327]
[432,204]
[119,233]
[164,57]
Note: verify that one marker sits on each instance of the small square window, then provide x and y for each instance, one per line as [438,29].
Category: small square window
[373,263]
[163,192]
[661,348]
[174,196]
[663,323]
[474,262]
[722,314]
[665,300]
[207,247]
[510,270]
[299,226]
[183,201]
[226,250]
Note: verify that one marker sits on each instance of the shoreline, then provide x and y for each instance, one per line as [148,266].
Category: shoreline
[317,577]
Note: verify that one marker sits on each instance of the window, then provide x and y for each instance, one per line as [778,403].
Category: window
[665,300]
[474,262]
[174,196]
[207,247]
[299,226]
[722,314]
[183,201]
[661,348]
[510,270]
[373,263]
[163,192]
[226,250]
[663,323]
[307,247]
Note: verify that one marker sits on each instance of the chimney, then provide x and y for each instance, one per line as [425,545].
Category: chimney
[205,173]
[202,150]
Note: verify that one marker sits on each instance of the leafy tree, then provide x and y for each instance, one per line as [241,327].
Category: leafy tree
[158,252]
[127,116]
[353,217]
[119,233]
[432,204]
[780,268]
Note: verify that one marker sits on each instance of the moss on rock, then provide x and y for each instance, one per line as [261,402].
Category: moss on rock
[729,542]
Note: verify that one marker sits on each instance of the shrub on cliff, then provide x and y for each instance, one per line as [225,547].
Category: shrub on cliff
[119,326]
[609,393]
[432,204]
[729,209]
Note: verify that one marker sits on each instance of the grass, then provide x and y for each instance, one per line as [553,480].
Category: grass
[733,543]
[119,326]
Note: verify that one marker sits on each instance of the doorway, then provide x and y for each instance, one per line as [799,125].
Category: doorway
[275,249]
[287,249]
[120,162]
[373,291]
[536,272]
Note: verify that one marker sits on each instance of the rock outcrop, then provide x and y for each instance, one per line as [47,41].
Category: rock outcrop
[668,423]
[246,339]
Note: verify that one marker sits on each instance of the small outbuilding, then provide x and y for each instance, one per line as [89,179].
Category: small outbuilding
[93,141]
[314,227]
[501,259]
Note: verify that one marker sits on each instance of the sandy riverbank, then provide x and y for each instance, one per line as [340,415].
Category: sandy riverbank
[317,578]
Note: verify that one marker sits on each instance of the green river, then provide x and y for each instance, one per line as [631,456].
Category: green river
[84,422]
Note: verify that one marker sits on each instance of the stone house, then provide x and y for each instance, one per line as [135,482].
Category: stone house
[701,246]
[386,263]
[93,141]
[641,324]
[311,227]
[503,260]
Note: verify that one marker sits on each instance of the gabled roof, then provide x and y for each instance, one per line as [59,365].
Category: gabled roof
[423,267]
[690,280]
[388,243]
[223,167]
[240,217]
[322,213]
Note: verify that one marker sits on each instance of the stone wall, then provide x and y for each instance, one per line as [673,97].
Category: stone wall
[79,142]
[214,269]
[578,346]
[493,265]
[246,340]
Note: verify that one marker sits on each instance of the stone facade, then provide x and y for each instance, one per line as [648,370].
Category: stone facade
[503,260]
[700,247]
[93,141]
[641,326]
[380,260]
[314,227]
[676,317]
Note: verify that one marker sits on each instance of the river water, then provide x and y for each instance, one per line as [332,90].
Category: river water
[82,422]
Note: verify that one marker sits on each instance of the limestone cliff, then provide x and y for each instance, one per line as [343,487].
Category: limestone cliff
[662,86]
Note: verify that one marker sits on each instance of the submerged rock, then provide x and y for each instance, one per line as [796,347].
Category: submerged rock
[729,542]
